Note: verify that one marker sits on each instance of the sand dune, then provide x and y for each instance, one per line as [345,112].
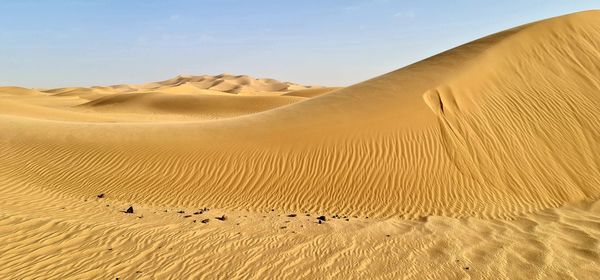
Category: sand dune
[480,161]
[225,83]
[311,92]
[206,105]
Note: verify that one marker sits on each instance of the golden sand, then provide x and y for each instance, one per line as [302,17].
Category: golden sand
[479,162]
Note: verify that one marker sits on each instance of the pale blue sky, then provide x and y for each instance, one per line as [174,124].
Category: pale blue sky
[327,42]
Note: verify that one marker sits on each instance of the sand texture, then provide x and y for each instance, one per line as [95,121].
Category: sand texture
[480,162]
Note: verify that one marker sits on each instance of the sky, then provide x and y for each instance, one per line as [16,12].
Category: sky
[56,43]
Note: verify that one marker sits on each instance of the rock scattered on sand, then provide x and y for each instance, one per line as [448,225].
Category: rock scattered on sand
[321,218]
[222,218]
[187,216]
[129,210]
[100,195]
[291,215]
[180,211]
[198,212]
[205,221]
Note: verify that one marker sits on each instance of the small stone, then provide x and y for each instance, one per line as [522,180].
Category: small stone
[187,216]
[321,218]
[222,218]
[198,212]
[291,215]
[205,221]
[100,195]
[129,210]
[466,268]
[180,211]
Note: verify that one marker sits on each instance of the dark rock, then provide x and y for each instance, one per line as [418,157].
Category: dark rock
[205,221]
[100,195]
[222,218]
[291,215]
[187,216]
[180,211]
[320,222]
[129,210]
[321,218]
[198,212]
[467,268]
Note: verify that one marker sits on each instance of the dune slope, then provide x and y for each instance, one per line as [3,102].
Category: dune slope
[500,126]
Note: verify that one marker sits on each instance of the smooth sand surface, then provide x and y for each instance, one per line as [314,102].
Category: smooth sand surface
[481,162]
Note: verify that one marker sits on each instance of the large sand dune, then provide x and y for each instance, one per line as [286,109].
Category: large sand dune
[485,155]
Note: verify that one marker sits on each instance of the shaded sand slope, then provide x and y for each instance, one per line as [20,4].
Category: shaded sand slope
[503,125]
[208,105]
[311,92]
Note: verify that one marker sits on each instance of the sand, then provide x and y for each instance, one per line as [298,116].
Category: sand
[479,162]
